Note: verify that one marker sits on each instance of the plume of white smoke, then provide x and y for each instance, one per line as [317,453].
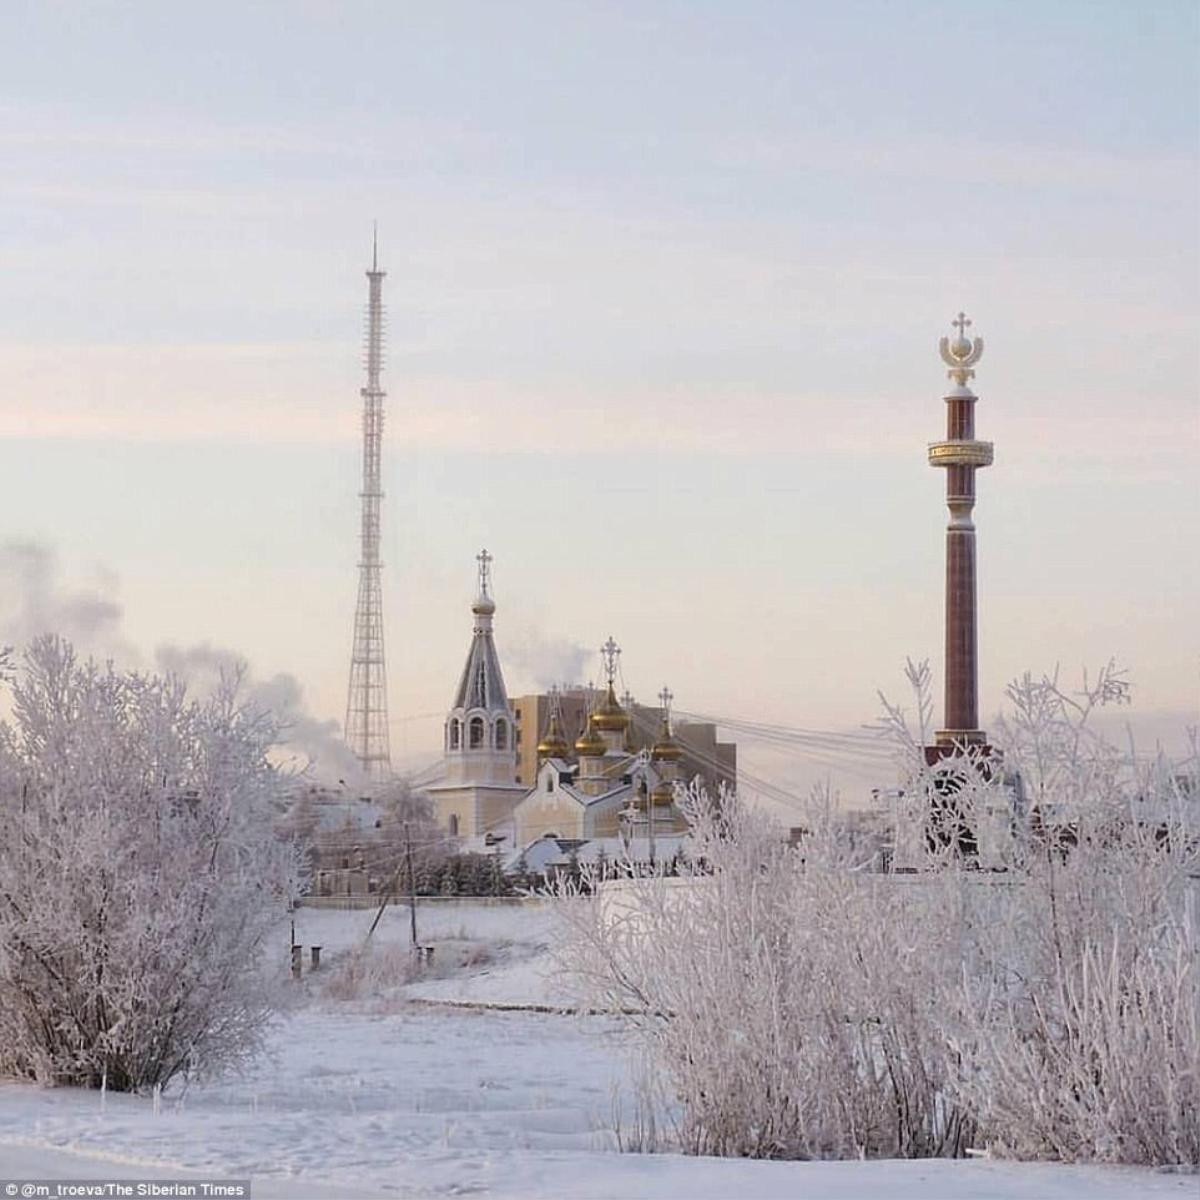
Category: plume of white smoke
[545,659]
[305,741]
[36,599]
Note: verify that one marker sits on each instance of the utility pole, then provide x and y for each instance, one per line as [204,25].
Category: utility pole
[644,762]
[650,823]
[412,883]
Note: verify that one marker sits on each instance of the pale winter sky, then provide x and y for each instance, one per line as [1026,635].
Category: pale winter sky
[665,286]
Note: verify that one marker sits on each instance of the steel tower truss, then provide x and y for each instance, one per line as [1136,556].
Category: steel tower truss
[366,703]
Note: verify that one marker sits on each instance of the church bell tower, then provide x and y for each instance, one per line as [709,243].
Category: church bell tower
[479,787]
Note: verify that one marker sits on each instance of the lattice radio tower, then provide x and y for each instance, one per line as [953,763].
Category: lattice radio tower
[366,703]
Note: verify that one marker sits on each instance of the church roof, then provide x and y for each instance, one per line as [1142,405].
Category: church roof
[482,682]
[568,786]
[548,851]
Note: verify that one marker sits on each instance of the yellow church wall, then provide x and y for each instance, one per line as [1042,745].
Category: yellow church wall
[548,812]
[496,810]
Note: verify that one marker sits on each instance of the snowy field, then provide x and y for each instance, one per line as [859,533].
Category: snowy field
[388,1094]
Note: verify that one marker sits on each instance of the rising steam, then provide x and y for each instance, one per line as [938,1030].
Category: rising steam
[35,599]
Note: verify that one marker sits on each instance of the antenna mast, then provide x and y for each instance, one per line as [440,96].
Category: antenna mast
[366,703]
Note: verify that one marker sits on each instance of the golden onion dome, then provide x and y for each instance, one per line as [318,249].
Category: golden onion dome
[609,715]
[665,748]
[590,743]
[553,745]
[663,794]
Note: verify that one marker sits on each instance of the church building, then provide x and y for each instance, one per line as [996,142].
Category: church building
[602,785]
[479,788]
[603,789]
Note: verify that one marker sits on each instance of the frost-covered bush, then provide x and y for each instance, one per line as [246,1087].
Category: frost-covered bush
[784,1017]
[1030,984]
[139,877]
[371,972]
[1078,1025]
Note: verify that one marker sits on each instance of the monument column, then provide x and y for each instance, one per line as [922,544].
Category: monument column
[961,455]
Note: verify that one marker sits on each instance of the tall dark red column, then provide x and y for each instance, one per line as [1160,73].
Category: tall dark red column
[961,455]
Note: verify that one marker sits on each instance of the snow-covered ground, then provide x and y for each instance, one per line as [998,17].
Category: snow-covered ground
[508,946]
[379,1096]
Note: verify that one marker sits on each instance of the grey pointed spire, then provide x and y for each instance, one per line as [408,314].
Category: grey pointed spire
[482,682]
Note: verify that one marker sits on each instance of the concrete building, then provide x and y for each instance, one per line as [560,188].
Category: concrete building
[532,714]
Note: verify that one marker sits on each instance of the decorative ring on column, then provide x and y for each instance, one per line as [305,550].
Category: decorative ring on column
[960,454]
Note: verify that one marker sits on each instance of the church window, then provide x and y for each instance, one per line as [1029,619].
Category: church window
[454,734]
[549,783]
[501,734]
[454,824]
[475,734]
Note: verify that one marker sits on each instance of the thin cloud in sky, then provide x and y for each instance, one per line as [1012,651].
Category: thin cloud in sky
[681,269]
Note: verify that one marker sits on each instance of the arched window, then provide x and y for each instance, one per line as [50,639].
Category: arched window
[454,824]
[502,734]
[475,733]
[549,782]
[454,734]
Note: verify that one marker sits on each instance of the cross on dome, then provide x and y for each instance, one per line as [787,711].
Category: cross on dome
[610,652]
[962,324]
[484,559]
[666,696]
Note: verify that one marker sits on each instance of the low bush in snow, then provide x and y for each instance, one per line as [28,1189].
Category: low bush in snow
[786,1019]
[371,971]
[139,877]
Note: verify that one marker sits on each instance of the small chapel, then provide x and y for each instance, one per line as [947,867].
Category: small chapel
[479,789]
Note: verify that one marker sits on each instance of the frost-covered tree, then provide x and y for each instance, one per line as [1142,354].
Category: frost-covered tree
[409,835]
[140,878]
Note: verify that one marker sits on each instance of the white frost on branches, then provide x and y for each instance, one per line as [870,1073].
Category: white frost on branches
[139,876]
[1045,1002]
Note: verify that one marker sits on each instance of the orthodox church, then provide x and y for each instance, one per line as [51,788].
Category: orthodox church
[603,789]
[598,787]
[478,789]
